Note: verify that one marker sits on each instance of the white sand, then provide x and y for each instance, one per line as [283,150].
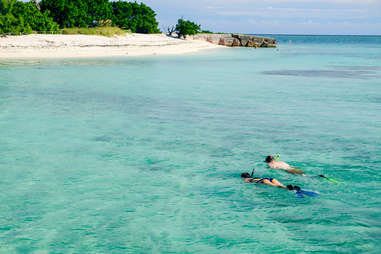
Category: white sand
[70,46]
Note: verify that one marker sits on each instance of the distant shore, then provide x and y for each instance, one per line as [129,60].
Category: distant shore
[87,46]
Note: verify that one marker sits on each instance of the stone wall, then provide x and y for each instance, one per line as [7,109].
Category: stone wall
[237,40]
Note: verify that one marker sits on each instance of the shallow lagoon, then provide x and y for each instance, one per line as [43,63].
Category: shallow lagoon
[143,155]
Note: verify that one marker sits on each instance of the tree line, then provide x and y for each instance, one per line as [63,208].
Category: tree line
[52,15]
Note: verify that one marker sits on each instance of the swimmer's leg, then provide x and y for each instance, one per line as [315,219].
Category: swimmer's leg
[277,183]
[274,182]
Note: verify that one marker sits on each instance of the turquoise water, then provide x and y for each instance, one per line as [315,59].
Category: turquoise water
[143,155]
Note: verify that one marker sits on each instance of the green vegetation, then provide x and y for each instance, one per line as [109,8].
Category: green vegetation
[20,17]
[139,18]
[35,19]
[206,32]
[104,31]
[186,27]
[74,13]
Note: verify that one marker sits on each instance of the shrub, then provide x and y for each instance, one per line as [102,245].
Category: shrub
[139,18]
[186,27]
[101,30]
[19,17]
[74,13]
[12,25]
[36,20]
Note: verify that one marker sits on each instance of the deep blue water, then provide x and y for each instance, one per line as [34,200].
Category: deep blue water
[143,155]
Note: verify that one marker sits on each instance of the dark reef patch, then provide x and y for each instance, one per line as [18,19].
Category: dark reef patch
[350,73]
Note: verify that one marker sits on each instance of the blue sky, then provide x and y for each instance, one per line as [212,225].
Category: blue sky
[275,16]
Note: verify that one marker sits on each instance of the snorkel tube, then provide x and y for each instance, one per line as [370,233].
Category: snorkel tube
[277,158]
[252,173]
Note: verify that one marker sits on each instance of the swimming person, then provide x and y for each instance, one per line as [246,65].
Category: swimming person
[275,164]
[247,178]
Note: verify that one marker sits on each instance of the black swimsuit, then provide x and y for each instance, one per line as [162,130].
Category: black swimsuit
[261,180]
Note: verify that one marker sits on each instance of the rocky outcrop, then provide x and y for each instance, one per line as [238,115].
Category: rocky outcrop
[237,40]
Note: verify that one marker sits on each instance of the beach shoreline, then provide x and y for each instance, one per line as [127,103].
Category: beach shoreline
[46,46]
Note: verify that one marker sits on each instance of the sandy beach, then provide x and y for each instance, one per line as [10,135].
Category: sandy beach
[85,46]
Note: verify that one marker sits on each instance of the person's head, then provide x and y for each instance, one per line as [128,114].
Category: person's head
[245,175]
[269,159]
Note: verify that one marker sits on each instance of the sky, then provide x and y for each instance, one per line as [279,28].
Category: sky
[274,16]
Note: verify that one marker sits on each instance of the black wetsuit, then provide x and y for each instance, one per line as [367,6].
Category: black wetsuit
[261,180]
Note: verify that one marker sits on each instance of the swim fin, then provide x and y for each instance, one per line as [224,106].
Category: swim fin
[332,180]
[298,194]
[309,193]
[329,179]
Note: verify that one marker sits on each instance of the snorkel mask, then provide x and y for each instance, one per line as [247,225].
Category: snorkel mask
[270,158]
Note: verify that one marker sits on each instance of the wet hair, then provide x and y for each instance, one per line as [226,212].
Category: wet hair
[269,159]
[245,175]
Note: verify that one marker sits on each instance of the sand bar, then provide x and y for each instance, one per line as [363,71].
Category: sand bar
[86,46]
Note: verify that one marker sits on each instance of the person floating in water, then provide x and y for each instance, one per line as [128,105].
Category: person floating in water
[247,178]
[275,164]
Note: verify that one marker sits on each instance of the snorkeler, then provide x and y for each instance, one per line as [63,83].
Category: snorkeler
[247,178]
[275,164]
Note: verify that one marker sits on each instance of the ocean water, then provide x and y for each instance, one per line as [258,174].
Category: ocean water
[144,155]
